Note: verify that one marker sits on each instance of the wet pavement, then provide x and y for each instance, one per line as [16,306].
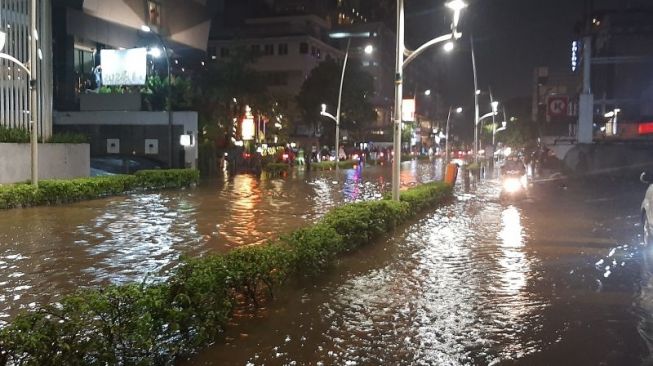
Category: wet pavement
[49,251]
[559,278]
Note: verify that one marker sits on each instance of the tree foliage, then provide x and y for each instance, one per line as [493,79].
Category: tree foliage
[322,87]
[224,90]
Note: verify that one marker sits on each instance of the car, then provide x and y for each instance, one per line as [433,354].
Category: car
[122,164]
[647,210]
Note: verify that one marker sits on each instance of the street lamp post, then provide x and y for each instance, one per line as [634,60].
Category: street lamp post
[335,119]
[342,80]
[477,92]
[446,146]
[147,29]
[368,50]
[456,6]
[495,106]
[33,100]
[33,109]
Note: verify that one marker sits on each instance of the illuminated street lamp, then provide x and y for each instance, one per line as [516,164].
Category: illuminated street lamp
[449,46]
[495,106]
[156,53]
[458,110]
[456,6]
[368,50]
[335,119]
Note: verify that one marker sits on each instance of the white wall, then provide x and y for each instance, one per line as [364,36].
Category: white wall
[55,161]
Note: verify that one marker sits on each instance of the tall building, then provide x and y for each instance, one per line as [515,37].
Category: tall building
[622,65]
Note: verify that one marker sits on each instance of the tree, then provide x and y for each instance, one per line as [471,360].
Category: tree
[321,87]
[223,91]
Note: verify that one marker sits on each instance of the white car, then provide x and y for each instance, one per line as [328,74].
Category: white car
[647,211]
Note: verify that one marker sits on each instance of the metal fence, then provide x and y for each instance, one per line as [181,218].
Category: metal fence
[14,82]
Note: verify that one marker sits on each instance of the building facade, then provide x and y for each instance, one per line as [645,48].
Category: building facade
[170,38]
[14,82]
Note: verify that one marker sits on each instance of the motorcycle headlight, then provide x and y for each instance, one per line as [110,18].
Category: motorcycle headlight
[512,185]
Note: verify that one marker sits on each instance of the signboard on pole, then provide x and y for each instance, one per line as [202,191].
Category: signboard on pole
[557,107]
[408,110]
[247,128]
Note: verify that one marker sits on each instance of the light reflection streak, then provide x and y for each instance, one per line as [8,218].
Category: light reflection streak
[514,262]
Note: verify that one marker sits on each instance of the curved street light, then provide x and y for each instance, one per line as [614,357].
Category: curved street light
[456,6]
[458,110]
[369,49]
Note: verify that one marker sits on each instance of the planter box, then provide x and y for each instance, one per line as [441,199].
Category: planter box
[110,102]
[55,161]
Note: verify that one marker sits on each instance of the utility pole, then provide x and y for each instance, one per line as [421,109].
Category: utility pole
[342,81]
[399,71]
[476,109]
[586,102]
[33,83]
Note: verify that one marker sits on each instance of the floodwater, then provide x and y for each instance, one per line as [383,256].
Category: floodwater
[557,279]
[48,251]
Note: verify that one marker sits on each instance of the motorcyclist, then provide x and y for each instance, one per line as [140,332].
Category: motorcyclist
[513,165]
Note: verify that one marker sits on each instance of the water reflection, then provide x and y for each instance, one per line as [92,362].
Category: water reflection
[514,262]
[47,251]
[451,289]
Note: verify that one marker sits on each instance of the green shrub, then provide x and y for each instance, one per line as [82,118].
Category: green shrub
[14,135]
[154,324]
[167,178]
[71,190]
[68,138]
[330,165]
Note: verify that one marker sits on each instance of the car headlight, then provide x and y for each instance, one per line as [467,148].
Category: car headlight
[512,185]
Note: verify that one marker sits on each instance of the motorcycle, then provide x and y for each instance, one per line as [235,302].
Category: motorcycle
[514,184]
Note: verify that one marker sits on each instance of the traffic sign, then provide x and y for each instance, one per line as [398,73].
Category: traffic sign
[557,107]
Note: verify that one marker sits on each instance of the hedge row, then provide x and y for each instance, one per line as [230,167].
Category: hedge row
[330,165]
[157,323]
[64,191]
[20,135]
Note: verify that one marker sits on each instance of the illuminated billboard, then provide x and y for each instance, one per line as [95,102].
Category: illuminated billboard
[408,110]
[124,67]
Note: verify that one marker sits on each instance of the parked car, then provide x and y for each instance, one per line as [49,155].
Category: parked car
[122,164]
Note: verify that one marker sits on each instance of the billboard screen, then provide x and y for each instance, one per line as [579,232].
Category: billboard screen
[124,67]
[408,110]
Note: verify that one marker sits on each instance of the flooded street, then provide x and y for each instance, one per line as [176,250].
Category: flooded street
[560,278]
[47,251]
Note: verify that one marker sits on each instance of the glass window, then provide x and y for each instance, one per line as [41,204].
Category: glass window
[283,49]
[224,52]
[303,48]
[269,49]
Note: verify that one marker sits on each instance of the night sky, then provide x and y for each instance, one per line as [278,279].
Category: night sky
[512,37]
